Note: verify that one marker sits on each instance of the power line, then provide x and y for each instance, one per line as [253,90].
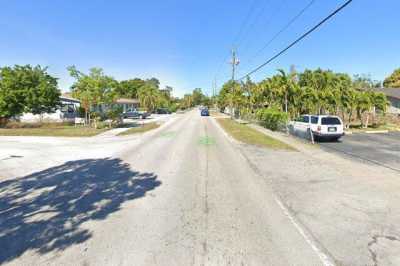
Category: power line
[283,29]
[249,13]
[298,39]
[254,22]
[238,35]
[270,19]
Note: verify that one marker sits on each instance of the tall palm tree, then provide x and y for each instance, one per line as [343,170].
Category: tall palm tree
[364,104]
[148,97]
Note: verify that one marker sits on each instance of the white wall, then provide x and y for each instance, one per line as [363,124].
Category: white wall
[57,116]
[46,117]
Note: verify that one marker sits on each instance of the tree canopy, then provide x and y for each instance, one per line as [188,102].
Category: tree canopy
[312,91]
[27,89]
[393,81]
[94,88]
[129,88]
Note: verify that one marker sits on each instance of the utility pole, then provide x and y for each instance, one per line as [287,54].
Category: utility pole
[214,89]
[234,62]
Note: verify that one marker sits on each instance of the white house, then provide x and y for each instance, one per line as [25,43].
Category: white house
[66,112]
[393,96]
[124,103]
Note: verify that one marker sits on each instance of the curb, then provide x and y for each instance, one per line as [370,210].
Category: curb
[376,131]
[367,132]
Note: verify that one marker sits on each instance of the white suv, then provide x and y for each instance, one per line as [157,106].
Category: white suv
[322,126]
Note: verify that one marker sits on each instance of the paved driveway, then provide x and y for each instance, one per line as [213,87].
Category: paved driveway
[383,149]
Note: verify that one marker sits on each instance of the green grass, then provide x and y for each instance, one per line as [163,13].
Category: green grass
[53,131]
[248,135]
[139,129]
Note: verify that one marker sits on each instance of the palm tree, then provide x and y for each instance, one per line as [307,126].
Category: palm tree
[148,97]
[364,104]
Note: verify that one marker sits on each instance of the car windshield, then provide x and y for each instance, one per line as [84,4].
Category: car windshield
[330,121]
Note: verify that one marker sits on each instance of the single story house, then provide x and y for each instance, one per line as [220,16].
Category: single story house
[67,111]
[124,103]
[127,104]
[393,96]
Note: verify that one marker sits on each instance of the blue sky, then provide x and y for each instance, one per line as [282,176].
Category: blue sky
[185,43]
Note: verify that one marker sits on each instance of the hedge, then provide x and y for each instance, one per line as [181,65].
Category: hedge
[272,118]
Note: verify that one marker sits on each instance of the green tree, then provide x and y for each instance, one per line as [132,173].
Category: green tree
[376,101]
[363,104]
[312,91]
[149,96]
[364,81]
[92,89]
[27,89]
[393,81]
[232,95]
[198,96]
[187,101]
[154,82]
[165,97]
[114,116]
[129,88]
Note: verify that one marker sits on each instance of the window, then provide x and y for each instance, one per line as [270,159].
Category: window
[314,120]
[330,121]
[306,119]
[67,108]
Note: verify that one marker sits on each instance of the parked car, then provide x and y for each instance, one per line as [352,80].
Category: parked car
[327,127]
[162,111]
[204,112]
[135,114]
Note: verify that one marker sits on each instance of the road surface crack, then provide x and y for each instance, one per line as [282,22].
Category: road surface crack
[374,241]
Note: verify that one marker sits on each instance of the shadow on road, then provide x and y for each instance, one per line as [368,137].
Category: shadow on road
[43,211]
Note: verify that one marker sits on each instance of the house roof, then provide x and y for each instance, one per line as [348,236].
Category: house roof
[68,98]
[391,92]
[127,101]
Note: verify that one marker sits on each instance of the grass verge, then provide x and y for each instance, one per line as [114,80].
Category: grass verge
[248,135]
[54,131]
[139,129]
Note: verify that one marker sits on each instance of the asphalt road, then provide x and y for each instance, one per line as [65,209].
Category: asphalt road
[382,149]
[184,195]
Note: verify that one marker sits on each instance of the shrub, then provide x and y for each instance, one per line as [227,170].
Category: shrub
[114,116]
[247,114]
[173,108]
[102,125]
[272,118]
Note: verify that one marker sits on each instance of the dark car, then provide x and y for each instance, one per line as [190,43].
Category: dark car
[204,112]
[135,114]
[162,111]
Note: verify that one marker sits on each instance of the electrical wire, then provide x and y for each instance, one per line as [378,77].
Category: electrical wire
[253,23]
[283,29]
[238,36]
[298,39]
